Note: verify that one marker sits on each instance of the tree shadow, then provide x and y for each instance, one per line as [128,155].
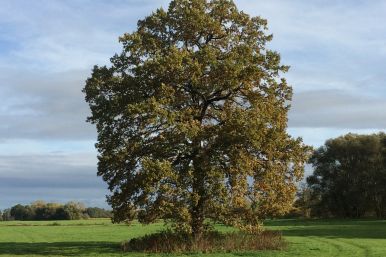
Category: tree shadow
[60,248]
[338,231]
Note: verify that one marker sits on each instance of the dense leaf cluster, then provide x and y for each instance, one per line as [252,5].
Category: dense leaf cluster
[349,177]
[40,210]
[191,120]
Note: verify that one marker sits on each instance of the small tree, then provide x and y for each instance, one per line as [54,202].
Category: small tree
[75,210]
[46,211]
[191,120]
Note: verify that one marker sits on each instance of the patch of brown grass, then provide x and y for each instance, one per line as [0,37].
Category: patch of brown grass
[169,242]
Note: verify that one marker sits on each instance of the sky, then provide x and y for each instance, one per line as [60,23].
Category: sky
[336,50]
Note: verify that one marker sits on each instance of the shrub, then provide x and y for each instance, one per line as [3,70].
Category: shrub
[170,242]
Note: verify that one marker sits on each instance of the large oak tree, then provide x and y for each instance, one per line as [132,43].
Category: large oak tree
[191,120]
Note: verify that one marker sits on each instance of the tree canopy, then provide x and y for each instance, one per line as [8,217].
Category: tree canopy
[191,119]
[350,176]
[40,210]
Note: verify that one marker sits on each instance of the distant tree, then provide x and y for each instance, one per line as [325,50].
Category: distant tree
[307,203]
[192,120]
[7,215]
[303,203]
[350,175]
[46,211]
[30,213]
[38,204]
[61,214]
[21,212]
[95,212]
[75,210]
[18,211]
[40,210]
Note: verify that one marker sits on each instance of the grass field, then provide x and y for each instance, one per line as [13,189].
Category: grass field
[98,237]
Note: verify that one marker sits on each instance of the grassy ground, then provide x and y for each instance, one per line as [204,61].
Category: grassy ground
[101,238]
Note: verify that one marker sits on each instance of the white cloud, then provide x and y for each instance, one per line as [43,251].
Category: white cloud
[44,106]
[337,109]
[66,35]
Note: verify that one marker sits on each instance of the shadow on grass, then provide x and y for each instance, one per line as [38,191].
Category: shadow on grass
[338,232]
[60,248]
[370,229]
[314,222]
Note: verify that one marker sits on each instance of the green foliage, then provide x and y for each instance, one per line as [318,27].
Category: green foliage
[75,211]
[307,203]
[95,212]
[40,210]
[350,177]
[48,211]
[191,120]
[6,216]
[20,212]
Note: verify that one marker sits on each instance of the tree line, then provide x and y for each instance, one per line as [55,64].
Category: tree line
[349,178]
[40,210]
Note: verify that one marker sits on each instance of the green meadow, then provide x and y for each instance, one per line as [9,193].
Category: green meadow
[98,237]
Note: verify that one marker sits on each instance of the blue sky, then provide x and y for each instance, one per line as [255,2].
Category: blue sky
[336,50]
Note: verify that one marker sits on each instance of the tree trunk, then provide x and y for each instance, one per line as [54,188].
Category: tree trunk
[198,220]
[197,208]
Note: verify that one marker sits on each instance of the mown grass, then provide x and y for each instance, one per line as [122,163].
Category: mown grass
[101,238]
